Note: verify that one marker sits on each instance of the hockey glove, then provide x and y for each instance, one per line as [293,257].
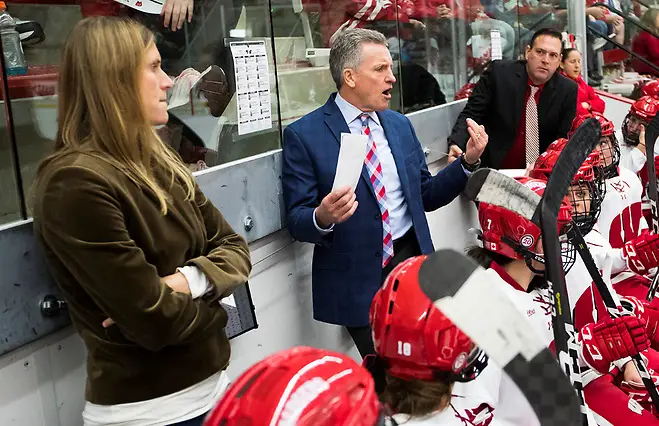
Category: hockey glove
[612,339]
[642,253]
[648,312]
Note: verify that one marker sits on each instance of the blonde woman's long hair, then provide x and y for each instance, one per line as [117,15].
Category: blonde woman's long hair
[649,19]
[100,109]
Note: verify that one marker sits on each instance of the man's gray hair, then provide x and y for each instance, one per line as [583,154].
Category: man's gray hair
[346,50]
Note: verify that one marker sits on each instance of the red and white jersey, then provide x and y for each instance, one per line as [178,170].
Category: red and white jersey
[534,305]
[339,15]
[462,411]
[621,218]
[512,407]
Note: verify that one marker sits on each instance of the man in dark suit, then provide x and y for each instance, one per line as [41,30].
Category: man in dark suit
[360,236]
[502,97]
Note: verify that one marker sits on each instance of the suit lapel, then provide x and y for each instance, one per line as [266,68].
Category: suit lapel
[334,119]
[519,95]
[397,152]
[546,98]
[337,125]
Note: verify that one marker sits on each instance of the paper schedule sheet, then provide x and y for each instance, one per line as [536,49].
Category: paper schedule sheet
[252,73]
[351,160]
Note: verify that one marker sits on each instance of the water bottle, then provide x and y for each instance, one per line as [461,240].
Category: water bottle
[11,44]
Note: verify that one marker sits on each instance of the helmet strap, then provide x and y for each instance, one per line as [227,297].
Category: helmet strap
[527,254]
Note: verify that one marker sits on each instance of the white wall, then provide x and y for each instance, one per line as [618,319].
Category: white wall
[616,109]
[42,384]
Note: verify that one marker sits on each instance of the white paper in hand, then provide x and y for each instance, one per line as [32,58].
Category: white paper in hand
[351,160]
[152,7]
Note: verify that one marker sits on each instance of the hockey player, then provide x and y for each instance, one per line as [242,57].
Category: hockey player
[640,114]
[301,386]
[620,219]
[585,195]
[425,355]
[512,247]
[651,88]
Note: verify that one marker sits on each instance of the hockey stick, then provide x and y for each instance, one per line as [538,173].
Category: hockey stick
[651,135]
[501,331]
[578,148]
[486,187]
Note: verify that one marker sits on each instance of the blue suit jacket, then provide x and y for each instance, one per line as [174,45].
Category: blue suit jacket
[347,263]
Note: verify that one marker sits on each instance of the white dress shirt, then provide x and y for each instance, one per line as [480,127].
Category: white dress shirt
[399,217]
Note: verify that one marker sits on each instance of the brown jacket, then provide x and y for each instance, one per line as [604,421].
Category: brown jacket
[107,246]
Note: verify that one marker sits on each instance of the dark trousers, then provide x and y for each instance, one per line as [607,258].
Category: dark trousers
[405,247]
[197,421]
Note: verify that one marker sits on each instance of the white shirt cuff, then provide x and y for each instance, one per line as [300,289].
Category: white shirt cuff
[197,281]
[318,228]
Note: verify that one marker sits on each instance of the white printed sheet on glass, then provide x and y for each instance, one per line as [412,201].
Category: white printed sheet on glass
[251,69]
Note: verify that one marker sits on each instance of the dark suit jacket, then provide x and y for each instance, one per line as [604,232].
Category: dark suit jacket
[347,263]
[497,103]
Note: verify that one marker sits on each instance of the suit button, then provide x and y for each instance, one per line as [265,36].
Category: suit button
[378,254]
[377,217]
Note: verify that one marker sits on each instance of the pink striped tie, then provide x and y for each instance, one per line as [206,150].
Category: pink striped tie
[375,174]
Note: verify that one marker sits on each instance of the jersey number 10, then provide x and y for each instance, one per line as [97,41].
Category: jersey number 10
[404,348]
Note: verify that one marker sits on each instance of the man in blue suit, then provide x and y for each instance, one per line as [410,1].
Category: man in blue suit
[360,236]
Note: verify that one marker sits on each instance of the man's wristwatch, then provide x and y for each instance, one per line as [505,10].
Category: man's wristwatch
[469,167]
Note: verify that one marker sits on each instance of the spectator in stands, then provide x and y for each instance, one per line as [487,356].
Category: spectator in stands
[587,99]
[361,235]
[646,44]
[140,254]
[595,41]
[521,126]
[614,24]
[469,13]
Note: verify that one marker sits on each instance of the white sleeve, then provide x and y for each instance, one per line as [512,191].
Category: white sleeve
[318,228]
[197,281]
[636,160]
[605,256]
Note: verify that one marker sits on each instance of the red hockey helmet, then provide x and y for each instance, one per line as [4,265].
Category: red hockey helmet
[609,148]
[513,236]
[465,91]
[651,88]
[301,386]
[641,112]
[585,207]
[608,128]
[414,338]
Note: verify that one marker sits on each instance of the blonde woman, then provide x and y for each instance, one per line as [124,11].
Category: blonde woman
[137,250]
[646,45]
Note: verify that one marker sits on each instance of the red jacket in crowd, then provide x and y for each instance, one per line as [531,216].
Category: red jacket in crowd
[469,11]
[586,93]
[646,46]
[339,15]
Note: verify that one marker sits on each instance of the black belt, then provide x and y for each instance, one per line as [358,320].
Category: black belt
[408,238]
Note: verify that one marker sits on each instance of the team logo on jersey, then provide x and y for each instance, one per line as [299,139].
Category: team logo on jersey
[621,186]
[527,240]
[534,185]
[460,361]
[635,407]
[479,416]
